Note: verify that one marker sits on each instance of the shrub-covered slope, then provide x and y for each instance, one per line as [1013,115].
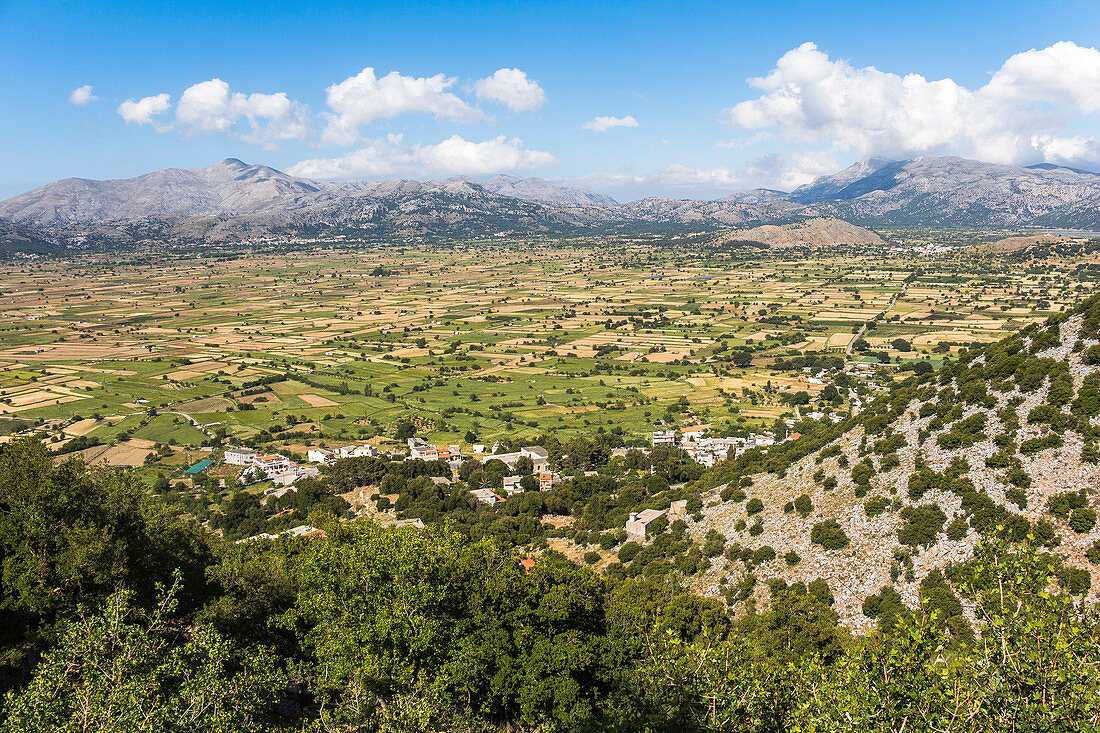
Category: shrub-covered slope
[1001,441]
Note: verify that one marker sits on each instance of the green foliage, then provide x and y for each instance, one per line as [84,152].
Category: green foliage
[964,433]
[829,534]
[1035,445]
[875,506]
[755,506]
[1082,519]
[956,529]
[1061,504]
[732,494]
[110,671]
[629,551]
[803,505]
[921,524]
[69,536]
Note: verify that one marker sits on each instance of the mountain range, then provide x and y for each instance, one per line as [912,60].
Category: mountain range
[232,200]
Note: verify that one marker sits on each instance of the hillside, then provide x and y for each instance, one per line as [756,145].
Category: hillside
[819,231]
[1006,436]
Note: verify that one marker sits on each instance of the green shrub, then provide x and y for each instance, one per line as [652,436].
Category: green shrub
[1060,505]
[803,505]
[829,534]
[922,524]
[1033,446]
[875,506]
[755,506]
[1082,520]
[964,433]
[792,558]
[1093,553]
[732,493]
[628,552]
[763,555]
[957,529]
[1076,581]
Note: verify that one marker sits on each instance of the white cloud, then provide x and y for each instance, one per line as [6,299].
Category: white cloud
[82,96]
[1014,118]
[677,179]
[391,156]
[210,106]
[142,111]
[603,124]
[744,142]
[364,98]
[511,87]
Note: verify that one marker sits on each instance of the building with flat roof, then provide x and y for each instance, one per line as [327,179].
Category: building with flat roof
[639,522]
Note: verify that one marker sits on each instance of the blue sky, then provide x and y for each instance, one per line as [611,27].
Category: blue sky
[109,90]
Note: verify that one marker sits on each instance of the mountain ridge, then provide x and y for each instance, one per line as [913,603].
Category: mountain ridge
[233,199]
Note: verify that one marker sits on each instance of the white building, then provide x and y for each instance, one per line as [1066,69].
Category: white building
[485,496]
[511,485]
[271,464]
[239,456]
[418,448]
[320,455]
[664,437]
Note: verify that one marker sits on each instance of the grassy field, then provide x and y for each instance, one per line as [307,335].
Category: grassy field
[477,342]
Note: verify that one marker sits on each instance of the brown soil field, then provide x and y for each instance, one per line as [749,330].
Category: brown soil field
[317,400]
[208,405]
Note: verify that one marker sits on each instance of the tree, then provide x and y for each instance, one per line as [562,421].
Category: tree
[829,534]
[70,536]
[109,672]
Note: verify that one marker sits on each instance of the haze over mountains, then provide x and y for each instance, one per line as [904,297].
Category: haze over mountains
[231,200]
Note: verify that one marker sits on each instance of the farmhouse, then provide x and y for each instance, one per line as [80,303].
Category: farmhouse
[419,449]
[639,521]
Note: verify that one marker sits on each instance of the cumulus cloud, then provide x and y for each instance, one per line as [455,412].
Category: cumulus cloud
[258,119]
[82,96]
[1019,116]
[603,124]
[364,98]
[143,110]
[512,88]
[391,156]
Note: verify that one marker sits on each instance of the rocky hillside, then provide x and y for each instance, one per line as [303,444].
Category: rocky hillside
[1002,440]
[819,231]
